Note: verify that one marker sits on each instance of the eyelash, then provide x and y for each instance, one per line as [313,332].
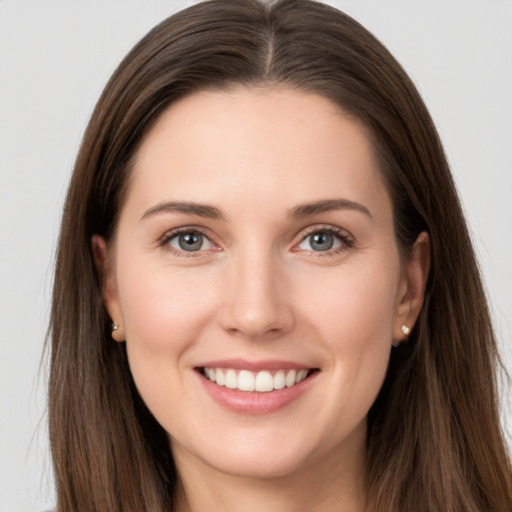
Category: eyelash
[347,241]
[166,239]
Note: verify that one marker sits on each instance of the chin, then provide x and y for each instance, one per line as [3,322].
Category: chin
[259,456]
[258,466]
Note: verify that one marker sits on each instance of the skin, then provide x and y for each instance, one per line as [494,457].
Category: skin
[259,290]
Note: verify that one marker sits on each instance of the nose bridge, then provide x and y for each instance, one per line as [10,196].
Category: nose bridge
[254,298]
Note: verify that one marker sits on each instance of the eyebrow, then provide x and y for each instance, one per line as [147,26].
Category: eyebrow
[327,205]
[299,212]
[201,210]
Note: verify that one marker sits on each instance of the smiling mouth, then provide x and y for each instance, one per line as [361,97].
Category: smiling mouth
[260,382]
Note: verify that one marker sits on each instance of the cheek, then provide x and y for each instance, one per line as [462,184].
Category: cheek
[352,306]
[164,313]
[160,307]
[352,317]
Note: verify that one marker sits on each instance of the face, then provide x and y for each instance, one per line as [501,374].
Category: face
[256,280]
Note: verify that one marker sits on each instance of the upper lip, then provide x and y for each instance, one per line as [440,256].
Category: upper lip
[255,366]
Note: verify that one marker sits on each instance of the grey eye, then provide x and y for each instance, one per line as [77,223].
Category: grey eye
[190,241]
[320,241]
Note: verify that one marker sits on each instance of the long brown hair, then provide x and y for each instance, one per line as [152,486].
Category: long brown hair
[434,436]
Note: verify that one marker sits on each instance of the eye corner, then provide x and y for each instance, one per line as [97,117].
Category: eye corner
[340,242]
[200,242]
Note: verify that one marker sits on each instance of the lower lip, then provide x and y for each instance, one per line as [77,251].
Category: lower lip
[253,402]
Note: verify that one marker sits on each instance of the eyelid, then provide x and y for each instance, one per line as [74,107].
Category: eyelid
[164,240]
[346,239]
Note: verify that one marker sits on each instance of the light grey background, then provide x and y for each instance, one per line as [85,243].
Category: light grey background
[55,57]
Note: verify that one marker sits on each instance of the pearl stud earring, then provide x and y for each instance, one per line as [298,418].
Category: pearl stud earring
[115,326]
[406,330]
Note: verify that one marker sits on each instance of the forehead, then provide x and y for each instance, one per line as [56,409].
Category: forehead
[267,145]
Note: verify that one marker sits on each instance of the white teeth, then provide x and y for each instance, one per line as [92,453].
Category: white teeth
[301,375]
[219,377]
[231,379]
[245,381]
[290,378]
[262,382]
[279,380]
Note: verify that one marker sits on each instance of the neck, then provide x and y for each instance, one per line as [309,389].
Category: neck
[335,482]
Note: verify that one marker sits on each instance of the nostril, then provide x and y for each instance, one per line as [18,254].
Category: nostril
[256,320]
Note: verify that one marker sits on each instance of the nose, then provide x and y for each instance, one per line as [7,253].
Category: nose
[254,298]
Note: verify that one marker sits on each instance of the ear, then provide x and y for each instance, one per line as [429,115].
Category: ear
[412,288]
[104,267]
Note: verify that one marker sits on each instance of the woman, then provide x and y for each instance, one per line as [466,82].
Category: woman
[279,302]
